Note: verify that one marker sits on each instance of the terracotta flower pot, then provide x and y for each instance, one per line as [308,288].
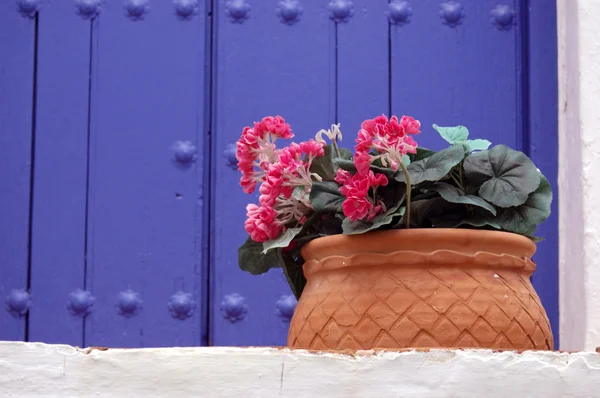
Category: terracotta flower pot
[420,288]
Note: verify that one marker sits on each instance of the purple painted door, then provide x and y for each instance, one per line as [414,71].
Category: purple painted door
[120,208]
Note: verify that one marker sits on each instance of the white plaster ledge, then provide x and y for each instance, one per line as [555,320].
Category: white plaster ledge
[40,370]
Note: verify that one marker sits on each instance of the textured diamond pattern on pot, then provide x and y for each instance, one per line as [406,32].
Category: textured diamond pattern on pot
[350,342]
[366,331]
[384,340]
[396,306]
[466,339]
[501,320]
[383,315]
[332,331]
[444,327]
[405,327]
[363,301]
[401,299]
[318,319]
[318,343]
[461,283]
[424,286]
[502,342]
[483,331]
[460,313]
[442,299]
[345,316]
[538,336]
[525,320]
[516,334]
[384,287]
[333,303]
[424,339]
[422,314]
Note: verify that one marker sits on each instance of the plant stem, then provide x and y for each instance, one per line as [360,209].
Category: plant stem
[408,191]
[337,150]
[456,181]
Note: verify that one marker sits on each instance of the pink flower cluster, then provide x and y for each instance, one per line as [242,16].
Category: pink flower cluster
[389,139]
[379,138]
[283,174]
[256,147]
[358,205]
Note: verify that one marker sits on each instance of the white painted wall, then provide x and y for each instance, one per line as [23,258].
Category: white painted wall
[579,173]
[39,370]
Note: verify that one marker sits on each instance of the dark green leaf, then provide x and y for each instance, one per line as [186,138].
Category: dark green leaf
[421,212]
[453,135]
[453,195]
[345,164]
[523,219]
[252,259]
[434,167]
[455,221]
[348,165]
[360,227]
[323,165]
[326,197]
[294,274]
[282,240]
[345,153]
[506,176]
[422,153]
[536,239]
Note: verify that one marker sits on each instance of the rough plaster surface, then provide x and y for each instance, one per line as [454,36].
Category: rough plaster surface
[579,167]
[40,370]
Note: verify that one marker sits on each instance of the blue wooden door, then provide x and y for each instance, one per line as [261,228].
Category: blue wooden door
[103,128]
[120,210]
[315,63]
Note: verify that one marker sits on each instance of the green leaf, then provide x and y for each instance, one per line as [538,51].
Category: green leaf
[252,259]
[360,227]
[282,240]
[422,153]
[345,164]
[295,277]
[536,239]
[523,219]
[348,165]
[453,135]
[506,176]
[453,195]
[421,210]
[434,167]
[345,153]
[456,221]
[326,197]
[323,165]
[477,145]
[292,270]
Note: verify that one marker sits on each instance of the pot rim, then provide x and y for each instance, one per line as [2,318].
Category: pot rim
[423,240]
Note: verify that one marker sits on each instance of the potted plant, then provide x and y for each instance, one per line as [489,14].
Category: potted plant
[396,246]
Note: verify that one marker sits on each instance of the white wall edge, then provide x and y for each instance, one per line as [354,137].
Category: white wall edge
[40,370]
[579,164]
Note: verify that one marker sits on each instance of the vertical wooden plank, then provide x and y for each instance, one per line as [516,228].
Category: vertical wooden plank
[144,265]
[492,67]
[17,41]
[542,53]
[457,62]
[362,66]
[272,59]
[58,239]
